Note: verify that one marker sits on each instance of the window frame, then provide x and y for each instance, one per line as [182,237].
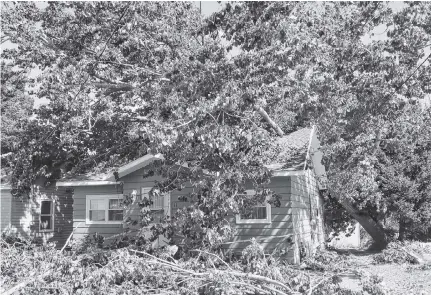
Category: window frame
[106,199]
[267,220]
[147,190]
[52,215]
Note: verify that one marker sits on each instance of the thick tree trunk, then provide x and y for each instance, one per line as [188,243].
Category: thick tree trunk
[374,229]
[402,231]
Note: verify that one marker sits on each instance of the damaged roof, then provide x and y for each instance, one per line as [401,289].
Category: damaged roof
[287,153]
[290,151]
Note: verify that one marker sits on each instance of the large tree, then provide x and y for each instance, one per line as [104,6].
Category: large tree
[125,79]
[322,67]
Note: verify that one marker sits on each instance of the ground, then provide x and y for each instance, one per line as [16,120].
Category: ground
[398,279]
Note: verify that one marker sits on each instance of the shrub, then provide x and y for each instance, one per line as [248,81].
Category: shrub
[325,260]
[90,269]
[399,252]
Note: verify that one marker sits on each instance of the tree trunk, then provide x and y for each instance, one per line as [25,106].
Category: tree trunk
[265,116]
[402,231]
[373,228]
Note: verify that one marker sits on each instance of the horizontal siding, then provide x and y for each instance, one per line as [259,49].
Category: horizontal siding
[134,182]
[291,218]
[270,236]
[81,229]
[307,224]
[25,214]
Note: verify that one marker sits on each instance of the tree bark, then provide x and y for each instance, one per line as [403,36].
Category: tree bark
[402,231]
[373,228]
[265,116]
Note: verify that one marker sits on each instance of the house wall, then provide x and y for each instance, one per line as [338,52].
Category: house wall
[316,156]
[6,206]
[25,214]
[131,182]
[307,215]
[276,236]
[81,228]
[291,223]
[346,239]
[134,182]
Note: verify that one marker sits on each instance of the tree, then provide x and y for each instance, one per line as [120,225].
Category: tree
[16,109]
[352,89]
[404,165]
[125,79]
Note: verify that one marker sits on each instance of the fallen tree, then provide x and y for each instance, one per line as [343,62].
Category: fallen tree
[102,271]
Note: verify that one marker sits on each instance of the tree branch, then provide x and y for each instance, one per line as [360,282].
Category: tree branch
[130,66]
[266,117]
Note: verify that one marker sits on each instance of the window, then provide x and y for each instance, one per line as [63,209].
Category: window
[158,201]
[104,209]
[46,218]
[258,214]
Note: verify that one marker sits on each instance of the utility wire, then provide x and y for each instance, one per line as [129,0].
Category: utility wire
[417,68]
[411,75]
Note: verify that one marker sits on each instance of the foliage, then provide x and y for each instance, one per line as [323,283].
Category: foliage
[324,260]
[16,109]
[399,252]
[404,165]
[322,69]
[127,79]
[44,270]
[136,80]
[372,285]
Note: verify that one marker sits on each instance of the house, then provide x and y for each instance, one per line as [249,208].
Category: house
[91,204]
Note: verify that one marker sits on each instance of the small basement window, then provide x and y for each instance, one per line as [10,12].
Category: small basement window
[102,209]
[46,217]
[258,214]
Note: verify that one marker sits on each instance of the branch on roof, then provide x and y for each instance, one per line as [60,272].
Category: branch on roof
[271,122]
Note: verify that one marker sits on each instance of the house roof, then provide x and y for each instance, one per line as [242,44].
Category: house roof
[107,177]
[288,153]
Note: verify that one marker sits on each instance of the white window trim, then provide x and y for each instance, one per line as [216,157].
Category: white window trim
[105,198]
[267,220]
[165,203]
[52,216]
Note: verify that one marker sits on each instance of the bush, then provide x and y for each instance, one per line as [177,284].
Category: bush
[399,252]
[90,269]
[325,260]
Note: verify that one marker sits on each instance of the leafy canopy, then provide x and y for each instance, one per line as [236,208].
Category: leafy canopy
[126,79]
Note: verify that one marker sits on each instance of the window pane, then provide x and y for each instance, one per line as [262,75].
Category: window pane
[97,215]
[115,215]
[45,222]
[255,213]
[157,202]
[97,204]
[260,212]
[115,204]
[45,207]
